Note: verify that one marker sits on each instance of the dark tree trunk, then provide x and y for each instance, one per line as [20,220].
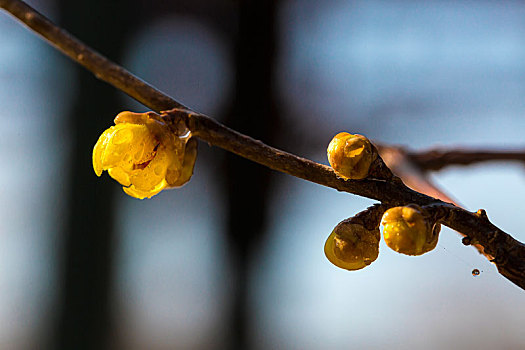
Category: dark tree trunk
[254,114]
[85,278]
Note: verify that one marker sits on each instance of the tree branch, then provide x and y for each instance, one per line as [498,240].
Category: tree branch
[507,253]
[412,175]
[439,158]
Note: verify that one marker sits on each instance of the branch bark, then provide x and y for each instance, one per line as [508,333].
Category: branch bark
[439,158]
[507,253]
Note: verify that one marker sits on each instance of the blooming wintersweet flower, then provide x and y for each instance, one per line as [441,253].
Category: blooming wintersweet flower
[144,155]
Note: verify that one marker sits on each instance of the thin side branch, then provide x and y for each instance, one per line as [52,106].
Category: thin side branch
[507,253]
[439,158]
[412,175]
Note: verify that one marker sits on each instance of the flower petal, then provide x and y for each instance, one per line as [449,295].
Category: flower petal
[185,171]
[127,143]
[144,154]
[120,175]
[154,173]
[136,118]
[140,194]
[98,151]
[131,117]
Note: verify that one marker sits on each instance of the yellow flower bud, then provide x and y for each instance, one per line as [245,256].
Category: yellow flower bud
[351,155]
[144,155]
[352,246]
[408,232]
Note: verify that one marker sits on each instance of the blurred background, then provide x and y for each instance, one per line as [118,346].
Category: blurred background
[234,260]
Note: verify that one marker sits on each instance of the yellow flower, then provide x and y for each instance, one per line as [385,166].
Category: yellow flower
[406,231]
[352,246]
[144,155]
[351,155]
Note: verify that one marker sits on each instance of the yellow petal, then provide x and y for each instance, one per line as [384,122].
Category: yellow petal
[348,264]
[352,246]
[183,174]
[131,117]
[141,152]
[406,231]
[351,155]
[125,143]
[153,173]
[355,151]
[123,134]
[98,151]
[172,175]
[140,194]
[120,175]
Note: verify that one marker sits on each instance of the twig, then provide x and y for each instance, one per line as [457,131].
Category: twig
[412,175]
[508,254]
[216,134]
[439,158]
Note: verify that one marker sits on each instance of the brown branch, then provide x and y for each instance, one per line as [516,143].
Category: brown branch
[412,175]
[216,134]
[416,178]
[439,158]
[509,254]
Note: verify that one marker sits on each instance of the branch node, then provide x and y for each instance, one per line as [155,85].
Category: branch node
[466,240]
[482,214]
[370,217]
[501,258]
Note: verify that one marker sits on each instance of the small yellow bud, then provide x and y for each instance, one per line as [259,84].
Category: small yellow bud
[144,155]
[352,246]
[351,155]
[408,232]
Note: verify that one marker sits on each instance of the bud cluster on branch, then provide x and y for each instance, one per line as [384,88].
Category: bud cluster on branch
[150,152]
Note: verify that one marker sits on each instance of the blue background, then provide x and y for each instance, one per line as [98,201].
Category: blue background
[421,74]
